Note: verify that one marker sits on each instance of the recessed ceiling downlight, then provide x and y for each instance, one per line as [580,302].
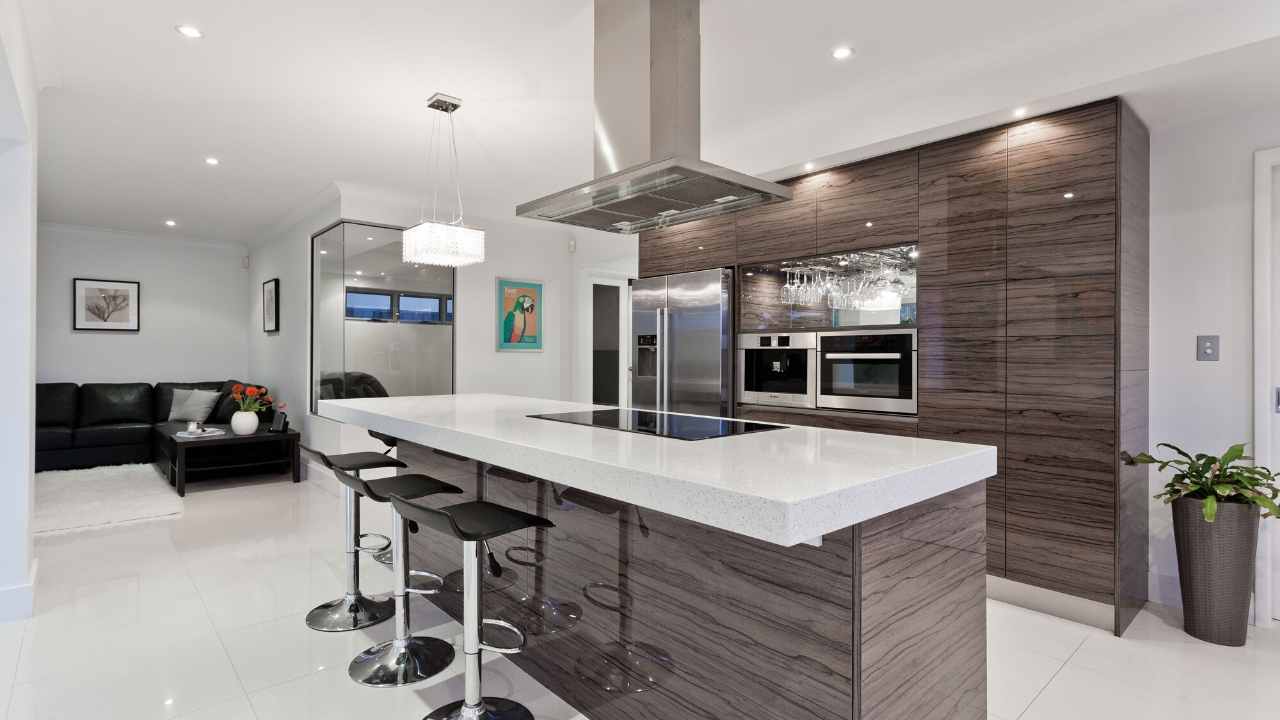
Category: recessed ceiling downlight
[191,32]
[1020,112]
[171,223]
[844,52]
[211,160]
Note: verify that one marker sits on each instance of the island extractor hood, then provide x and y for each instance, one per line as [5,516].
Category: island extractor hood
[648,129]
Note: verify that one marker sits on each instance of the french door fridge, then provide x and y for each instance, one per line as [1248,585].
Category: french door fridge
[682,349]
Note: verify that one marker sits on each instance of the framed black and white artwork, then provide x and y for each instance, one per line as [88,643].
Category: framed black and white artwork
[112,305]
[271,305]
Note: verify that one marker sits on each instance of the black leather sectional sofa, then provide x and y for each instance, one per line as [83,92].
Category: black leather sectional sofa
[80,426]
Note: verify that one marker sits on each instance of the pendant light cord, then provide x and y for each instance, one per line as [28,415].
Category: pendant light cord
[433,171]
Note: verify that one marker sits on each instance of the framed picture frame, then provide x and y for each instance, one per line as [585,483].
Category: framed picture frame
[106,305]
[519,315]
[271,305]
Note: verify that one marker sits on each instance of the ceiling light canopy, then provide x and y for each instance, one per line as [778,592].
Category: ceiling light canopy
[435,242]
[190,32]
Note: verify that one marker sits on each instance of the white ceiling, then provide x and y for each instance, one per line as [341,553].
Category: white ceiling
[293,95]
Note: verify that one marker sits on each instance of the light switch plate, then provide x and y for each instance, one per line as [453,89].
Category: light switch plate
[1207,347]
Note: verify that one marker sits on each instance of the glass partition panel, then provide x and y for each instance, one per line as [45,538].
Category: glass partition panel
[393,321]
[327,283]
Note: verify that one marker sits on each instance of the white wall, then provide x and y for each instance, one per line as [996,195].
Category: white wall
[1201,284]
[282,360]
[194,299]
[18,143]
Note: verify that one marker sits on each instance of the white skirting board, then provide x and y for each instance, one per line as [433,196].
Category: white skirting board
[17,602]
[1051,602]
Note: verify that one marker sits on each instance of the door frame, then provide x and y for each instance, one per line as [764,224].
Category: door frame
[587,333]
[1265,163]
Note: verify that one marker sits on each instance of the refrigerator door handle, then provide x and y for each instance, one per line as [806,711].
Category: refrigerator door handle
[660,400]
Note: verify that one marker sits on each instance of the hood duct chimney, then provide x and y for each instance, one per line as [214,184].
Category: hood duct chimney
[648,128]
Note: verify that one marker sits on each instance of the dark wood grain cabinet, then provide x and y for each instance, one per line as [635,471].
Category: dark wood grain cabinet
[1032,305]
[870,204]
[697,245]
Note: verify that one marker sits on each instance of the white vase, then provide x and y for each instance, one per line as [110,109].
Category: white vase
[244,423]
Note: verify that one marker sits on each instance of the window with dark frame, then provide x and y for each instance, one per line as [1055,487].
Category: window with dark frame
[398,306]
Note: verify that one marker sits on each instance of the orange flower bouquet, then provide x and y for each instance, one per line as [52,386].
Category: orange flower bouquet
[251,398]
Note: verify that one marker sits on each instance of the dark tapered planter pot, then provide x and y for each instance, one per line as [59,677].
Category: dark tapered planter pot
[1215,567]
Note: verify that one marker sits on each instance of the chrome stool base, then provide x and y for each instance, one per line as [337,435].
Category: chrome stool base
[395,663]
[351,613]
[492,709]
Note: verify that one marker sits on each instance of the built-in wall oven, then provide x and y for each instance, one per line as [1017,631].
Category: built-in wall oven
[873,370]
[777,369]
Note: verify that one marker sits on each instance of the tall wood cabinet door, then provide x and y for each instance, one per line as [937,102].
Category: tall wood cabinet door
[870,204]
[1060,463]
[697,245]
[1062,223]
[963,194]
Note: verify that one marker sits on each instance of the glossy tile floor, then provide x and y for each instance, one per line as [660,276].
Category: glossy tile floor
[200,618]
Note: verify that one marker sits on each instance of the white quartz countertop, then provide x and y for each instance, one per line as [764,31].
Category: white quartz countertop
[785,486]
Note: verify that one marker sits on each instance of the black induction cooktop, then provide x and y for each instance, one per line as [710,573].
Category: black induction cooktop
[679,427]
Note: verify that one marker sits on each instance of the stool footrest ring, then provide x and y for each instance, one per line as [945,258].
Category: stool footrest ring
[512,650]
[433,585]
[383,544]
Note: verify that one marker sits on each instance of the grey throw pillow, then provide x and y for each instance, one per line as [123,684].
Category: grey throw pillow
[192,405]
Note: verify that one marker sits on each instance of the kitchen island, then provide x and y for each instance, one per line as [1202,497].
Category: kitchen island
[800,572]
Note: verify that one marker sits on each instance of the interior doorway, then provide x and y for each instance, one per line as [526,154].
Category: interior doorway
[606,344]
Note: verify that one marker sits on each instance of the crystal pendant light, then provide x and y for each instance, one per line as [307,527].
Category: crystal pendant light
[435,242]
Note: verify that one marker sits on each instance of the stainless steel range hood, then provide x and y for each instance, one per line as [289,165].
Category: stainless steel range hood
[648,129]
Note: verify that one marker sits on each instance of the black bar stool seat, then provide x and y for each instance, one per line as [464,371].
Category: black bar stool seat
[357,461]
[410,486]
[475,521]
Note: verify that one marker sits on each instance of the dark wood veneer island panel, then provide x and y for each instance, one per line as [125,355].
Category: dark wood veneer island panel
[885,620]
[1032,309]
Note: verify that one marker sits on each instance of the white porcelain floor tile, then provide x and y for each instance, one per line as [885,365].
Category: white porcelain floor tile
[11,635]
[202,618]
[1015,678]
[285,649]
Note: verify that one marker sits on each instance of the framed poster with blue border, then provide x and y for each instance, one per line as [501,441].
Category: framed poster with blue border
[519,321]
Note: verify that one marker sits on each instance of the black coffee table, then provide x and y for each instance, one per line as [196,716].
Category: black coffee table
[222,454]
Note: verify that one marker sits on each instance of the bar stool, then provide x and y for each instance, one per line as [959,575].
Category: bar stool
[475,523]
[407,658]
[354,610]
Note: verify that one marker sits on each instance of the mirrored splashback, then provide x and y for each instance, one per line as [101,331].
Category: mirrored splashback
[853,289]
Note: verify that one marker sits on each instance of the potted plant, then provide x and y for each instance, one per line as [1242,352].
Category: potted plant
[250,400]
[1217,503]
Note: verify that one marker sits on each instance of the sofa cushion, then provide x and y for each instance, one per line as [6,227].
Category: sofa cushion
[164,395]
[106,403]
[53,437]
[192,405]
[225,407]
[113,434]
[56,404]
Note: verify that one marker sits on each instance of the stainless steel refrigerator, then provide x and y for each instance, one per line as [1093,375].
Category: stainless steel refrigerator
[682,343]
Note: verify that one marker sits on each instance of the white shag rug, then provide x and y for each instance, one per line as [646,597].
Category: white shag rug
[73,500]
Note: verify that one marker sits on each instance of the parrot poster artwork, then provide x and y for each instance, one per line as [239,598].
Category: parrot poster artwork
[519,315]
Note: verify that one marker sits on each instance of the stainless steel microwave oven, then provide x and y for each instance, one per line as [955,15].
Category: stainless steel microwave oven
[777,369]
[872,370]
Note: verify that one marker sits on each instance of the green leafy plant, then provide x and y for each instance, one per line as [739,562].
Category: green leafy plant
[1215,479]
